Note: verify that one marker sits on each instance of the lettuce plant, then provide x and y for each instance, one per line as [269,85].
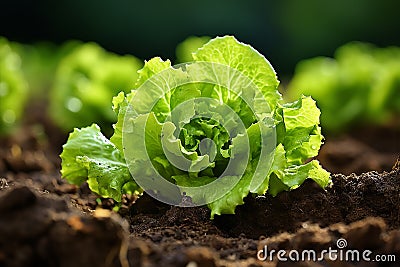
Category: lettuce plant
[360,85]
[85,82]
[13,87]
[39,63]
[208,132]
[185,49]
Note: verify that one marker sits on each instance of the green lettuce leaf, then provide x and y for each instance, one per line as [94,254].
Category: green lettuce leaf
[228,51]
[120,105]
[228,203]
[298,139]
[299,131]
[89,156]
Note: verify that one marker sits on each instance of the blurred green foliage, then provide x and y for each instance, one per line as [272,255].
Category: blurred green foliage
[185,49]
[77,80]
[13,87]
[85,82]
[39,62]
[361,85]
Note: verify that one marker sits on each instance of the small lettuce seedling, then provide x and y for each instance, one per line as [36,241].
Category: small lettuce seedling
[13,87]
[86,81]
[204,123]
[361,85]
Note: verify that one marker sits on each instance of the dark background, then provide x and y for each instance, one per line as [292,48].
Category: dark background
[285,31]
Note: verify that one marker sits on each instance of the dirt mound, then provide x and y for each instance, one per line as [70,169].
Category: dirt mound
[42,230]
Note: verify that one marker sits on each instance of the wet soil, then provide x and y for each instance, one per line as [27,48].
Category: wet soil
[46,222]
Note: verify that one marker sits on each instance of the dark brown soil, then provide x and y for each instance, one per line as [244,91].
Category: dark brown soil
[46,222]
[362,150]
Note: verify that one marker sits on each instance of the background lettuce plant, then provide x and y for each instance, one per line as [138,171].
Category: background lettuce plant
[85,82]
[13,87]
[360,85]
[39,62]
[185,49]
[148,137]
